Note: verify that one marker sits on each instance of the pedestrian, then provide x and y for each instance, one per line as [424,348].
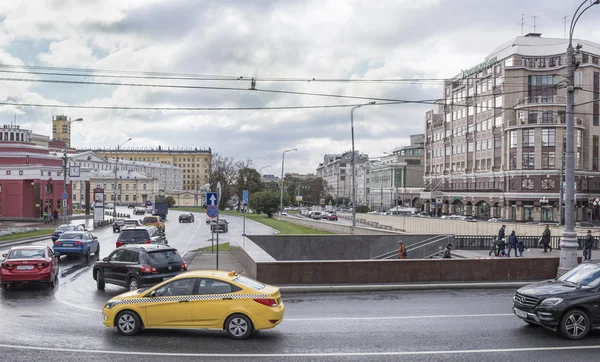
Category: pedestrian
[55,214]
[502,247]
[546,239]
[447,252]
[512,242]
[402,254]
[521,247]
[45,217]
[588,244]
[495,243]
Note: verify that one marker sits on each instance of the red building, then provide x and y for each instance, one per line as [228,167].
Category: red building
[31,178]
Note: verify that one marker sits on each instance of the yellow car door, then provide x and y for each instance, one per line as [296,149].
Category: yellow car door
[213,303]
[171,305]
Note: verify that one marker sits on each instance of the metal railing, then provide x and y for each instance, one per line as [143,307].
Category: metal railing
[420,250]
[479,242]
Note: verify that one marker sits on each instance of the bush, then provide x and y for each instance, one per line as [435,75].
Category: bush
[362,209]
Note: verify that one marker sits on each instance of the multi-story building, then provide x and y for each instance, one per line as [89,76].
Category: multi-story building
[61,129]
[494,147]
[336,171]
[132,186]
[195,162]
[270,178]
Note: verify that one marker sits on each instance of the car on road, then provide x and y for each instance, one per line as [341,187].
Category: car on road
[202,299]
[568,304]
[141,235]
[149,210]
[222,227]
[154,221]
[138,266]
[139,211]
[284,213]
[117,225]
[332,217]
[64,228]
[29,264]
[210,219]
[81,243]
[316,215]
[127,223]
[131,206]
[110,206]
[186,217]
[585,224]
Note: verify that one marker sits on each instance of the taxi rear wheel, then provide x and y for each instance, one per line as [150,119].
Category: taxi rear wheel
[128,323]
[238,326]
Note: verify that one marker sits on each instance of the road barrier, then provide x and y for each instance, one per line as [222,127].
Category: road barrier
[103,223]
[108,213]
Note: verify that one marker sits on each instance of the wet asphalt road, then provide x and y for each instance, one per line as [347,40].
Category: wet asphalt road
[64,324]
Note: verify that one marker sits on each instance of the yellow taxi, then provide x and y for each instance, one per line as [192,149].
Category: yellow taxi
[200,299]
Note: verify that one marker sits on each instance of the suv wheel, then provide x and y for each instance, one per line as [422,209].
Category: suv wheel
[238,326]
[133,284]
[128,323]
[100,284]
[575,324]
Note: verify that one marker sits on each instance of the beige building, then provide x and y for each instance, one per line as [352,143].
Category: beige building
[61,129]
[132,187]
[494,147]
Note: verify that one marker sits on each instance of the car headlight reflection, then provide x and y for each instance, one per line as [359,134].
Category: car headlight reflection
[551,302]
[109,305]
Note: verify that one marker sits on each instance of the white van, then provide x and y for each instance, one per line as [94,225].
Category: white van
[316,215]
[110,206]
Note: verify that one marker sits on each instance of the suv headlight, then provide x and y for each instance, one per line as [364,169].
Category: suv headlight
[551,302]
[109,305]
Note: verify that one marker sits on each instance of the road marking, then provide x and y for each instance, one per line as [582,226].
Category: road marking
[57,297]
[398,317]
[309,355]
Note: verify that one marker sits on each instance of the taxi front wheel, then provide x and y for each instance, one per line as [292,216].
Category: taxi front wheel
[128,323]
[238,326]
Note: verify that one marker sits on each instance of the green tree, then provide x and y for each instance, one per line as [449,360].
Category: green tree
[362,209]
[265,202]
[247,179]
[170,200]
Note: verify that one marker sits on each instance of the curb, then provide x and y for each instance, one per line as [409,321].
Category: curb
[25,241]
[298,289]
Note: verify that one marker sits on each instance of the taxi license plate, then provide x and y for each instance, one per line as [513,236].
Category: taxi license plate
[67,245]
[24,267]
[520,313]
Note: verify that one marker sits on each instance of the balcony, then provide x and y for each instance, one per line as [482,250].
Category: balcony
[541,100]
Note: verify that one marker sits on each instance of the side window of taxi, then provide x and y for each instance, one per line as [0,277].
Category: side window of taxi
[213,286]
[176,288]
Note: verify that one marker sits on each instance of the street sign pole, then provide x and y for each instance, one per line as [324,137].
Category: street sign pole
[218,199]
[244,203]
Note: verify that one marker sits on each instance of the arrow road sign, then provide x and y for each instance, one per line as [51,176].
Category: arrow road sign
[65,195]
[212,211]
[245,197]
[212,199]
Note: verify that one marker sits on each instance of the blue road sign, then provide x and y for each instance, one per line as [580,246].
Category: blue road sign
[212,211]
[65,195]
[212,198]
[245,197]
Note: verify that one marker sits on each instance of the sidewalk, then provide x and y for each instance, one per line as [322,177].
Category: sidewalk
[532,253]
[208,261]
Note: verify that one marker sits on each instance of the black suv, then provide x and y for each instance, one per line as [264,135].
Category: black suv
[141,235]
[568,304]
[138,266]
[222,228]
[117,225]
[188,217]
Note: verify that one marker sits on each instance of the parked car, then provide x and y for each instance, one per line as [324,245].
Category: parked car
[284,213]
[154,221]
[223,226]
[117,225]
[585,224]
[141,235]
[81,243]
[139,211]
[568,304]
[138,266]
[64,228]
[186,217]
[29,264]
[238,305]
[332,217]
[131,206]
[316,215]
[209,220]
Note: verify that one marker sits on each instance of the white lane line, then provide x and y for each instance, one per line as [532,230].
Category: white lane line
[398,317]
[316,354]
[60,300]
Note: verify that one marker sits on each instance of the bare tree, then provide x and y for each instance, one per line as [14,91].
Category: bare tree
[224,170]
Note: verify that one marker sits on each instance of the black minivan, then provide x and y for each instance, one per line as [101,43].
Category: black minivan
[138,266]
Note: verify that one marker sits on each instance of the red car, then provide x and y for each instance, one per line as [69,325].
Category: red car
[29,264]
[332,217]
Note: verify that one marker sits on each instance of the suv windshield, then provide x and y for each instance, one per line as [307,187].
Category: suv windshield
[163,257]
[134,236]
[150,219]
[585,275]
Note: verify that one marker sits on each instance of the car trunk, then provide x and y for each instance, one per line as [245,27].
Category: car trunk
[165,261]
[25,266]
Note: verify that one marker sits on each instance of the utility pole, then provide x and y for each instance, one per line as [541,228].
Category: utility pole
[65,161]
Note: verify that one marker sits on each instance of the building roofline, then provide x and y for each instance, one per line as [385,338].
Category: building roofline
[159,149]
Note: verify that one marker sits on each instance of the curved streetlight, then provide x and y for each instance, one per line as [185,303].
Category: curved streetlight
[65,161]
[260,172]
[282,165]
[116,166]
[353,161]
[568,242]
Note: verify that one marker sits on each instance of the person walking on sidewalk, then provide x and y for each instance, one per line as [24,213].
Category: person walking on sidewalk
[588,244]
[502,247]
[512,242]
[521,247]
[402,254]
[546,239]
[55,214]
[495,243]
[447,252]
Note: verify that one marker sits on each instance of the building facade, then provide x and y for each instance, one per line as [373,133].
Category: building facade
[336,171]
[195,162]
[495,144]
[61,129]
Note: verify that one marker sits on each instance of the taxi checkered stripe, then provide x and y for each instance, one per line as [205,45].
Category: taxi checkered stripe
[190,297]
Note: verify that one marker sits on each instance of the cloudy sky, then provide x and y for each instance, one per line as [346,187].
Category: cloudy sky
[282,44]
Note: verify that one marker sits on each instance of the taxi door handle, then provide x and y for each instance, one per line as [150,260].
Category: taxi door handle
[184,301]
[226,298]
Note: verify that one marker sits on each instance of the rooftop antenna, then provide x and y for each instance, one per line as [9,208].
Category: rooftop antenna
[565,21]
[534,26]
[522,23]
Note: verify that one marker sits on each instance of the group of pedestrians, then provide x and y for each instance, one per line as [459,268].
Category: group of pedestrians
[49,217]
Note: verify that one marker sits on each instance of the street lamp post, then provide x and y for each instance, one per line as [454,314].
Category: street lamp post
[282,166]
[65,162]
[116,166]
[543,202]
[354,162]
[568,242]
[260,172]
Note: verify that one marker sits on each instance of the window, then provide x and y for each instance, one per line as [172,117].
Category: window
[579,136]
[528,160]
[547,184]
[513,160]
[48,189]
[547,117]
[596,97]
[596,144]
[497,141]
[527,184]
[213,286]
[528,138]
[498,121]
[542,87]
[548,137]
[176,288]
[548,160]
[585,58]
[513,139]
[470,147]
[532,117]
[498,102]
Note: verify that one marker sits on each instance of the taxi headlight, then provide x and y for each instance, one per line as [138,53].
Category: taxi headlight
[110,305]
[549,302]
